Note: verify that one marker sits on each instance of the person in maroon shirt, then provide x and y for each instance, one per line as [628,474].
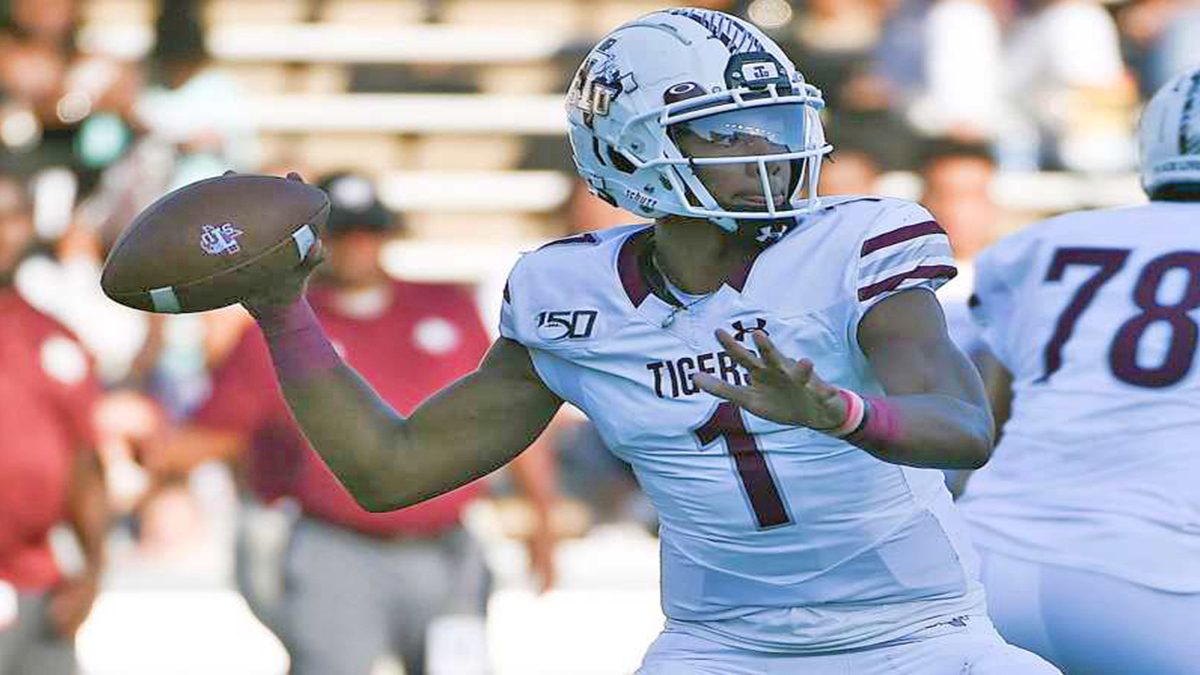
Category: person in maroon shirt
[357,586]
[49,472]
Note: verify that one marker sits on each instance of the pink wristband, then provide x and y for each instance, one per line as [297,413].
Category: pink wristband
[883,425]
[297,342]
[855,409]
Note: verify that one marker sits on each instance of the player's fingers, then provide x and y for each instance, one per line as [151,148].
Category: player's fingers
[744,357]
[802,372]
[719,388]
[771,356]
[316,256]
[820,387]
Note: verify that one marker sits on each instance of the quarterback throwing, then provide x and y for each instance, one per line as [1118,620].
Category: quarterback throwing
[774,366]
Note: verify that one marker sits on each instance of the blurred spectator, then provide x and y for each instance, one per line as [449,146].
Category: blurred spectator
[355,587]
[61,108]
[961,93]
[1066,76]
[866,108]
[1163,39]
[958,179]
[49,473]
[849,170]
[65,283]
[831,42]
[192,107]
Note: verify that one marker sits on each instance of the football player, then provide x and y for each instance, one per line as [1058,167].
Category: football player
[774,366]
[1089,516]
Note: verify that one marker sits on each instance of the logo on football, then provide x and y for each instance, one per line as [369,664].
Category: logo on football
[220,239]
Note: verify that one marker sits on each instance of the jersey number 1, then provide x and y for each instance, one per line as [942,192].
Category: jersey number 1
[726,422]
[1122,354]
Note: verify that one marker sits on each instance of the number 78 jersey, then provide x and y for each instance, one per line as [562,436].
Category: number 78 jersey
[774,537]
[1095,315]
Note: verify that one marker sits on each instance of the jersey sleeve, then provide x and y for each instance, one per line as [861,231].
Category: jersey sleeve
[998,272]
[244,395]
[904,248]
[516,292]
[508,327]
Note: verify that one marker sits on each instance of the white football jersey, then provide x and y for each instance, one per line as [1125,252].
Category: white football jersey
[1095,315]
[773,537]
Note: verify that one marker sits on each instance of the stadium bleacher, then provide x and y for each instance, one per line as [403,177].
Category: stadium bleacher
[446,159]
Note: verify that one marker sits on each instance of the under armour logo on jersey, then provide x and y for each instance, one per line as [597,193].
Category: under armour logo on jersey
[218,239]
[773,231]
[741,331]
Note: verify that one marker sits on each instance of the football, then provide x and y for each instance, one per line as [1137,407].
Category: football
[208,244]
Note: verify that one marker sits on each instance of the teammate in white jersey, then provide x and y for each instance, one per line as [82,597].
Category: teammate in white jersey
[1088,517]
[775,367]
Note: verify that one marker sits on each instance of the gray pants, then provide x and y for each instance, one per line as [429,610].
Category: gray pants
[351,600]
[31,647]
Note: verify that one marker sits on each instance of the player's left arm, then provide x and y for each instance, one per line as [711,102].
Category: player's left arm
[936,403]
[935,413]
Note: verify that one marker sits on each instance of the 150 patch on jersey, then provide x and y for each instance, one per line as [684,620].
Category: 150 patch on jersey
[567,324]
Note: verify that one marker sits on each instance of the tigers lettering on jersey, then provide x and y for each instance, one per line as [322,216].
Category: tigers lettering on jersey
[673,377]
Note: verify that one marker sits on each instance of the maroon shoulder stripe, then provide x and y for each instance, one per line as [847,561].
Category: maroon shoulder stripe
[627,267]
[901,234]
[891,283]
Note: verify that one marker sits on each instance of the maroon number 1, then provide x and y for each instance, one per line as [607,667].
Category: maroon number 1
[726,422]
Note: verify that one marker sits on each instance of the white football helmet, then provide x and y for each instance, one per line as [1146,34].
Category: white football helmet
[695,71]
[1169,134]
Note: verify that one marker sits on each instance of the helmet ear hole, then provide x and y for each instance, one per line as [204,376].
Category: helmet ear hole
[619,161]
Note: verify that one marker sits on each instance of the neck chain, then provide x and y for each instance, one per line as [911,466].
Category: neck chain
[657,281]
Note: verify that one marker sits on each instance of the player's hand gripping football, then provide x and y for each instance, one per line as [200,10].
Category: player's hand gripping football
[781,389]
[283,290]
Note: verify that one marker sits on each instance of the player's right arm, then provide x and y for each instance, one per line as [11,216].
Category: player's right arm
[465,431]
[386,461]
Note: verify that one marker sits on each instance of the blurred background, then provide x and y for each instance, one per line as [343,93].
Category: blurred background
[993,113]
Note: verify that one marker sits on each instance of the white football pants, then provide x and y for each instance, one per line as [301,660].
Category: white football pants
[970,648]
[1092,624]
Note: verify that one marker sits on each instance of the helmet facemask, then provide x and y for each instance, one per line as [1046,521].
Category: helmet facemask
[741,155]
